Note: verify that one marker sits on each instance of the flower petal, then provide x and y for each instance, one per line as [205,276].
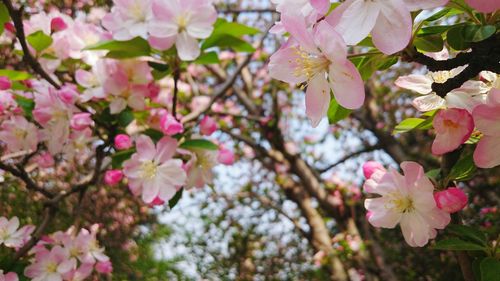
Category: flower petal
[317,99]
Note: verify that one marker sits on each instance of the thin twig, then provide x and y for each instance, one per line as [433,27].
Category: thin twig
[347,157]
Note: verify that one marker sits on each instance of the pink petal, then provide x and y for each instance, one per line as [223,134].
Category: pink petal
[297,27]
[283,66]
[317,99]
[347,85]
[415,82]
[166,148]
[485,6]
[487,153]
[392,32]
[330,42]
[187,47]
[487,119]
[414,5]
[145,148]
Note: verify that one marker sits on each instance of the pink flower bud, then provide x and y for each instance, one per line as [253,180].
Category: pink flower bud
[80,121]
[5,83]
[45,160]
[371,167]
[123,142]
[11,276]
[157,202]
[68,94]
[451,200]
[104,267]
[225,156]
[170,126]
[113,177]
[57,24]
[154,90]
[10,27]
[208,126]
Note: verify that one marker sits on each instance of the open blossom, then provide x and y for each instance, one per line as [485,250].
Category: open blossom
[128,19]
[200,167]
[10,276]
[93,81]
[355,19]
[182,22]
[453,127]
[208,126]
[451,200]
[50,265]
[487,120]
[311,10]
[319,58]
[11,236]
[485,6]
[408,200]
[19,134]
[152,172]
[170,126]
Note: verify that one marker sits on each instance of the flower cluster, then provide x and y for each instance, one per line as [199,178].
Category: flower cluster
[68,256]
[11,235]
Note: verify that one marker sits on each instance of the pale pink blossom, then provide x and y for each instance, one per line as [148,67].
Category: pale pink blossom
[225,156]
[453,127]
[451,200]
[487,120]
[45,160]
[113,177]
[104,267]
[93,81]
[19,134]
[311,10]
[371,167]
[81,121]
[123,142]
[319,58]
[408,200]
[129,19]
[170,126]
[355,19]
[11,235]
[5,83]
[484,6]
[200,167]
[50,265]
[208,126]
[182,22]
[152,172]
[9,276]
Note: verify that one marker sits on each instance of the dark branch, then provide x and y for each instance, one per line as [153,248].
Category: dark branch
[349,156]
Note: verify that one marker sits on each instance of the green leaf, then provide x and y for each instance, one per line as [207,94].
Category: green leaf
[476,268]
[468,233]
[222,26]
[473,139]
[411,124]
[14,75]
[490,269]
[229,41]
[456,244]
[118,158]
[176,198]
[229,35]
[455,38]
[433,174]
[125,117]
[39,40]
[208,58]
[438,15]
[430,43]
[464,169]
[26,104]
[336,112]
[199,143]
[123,49]
[158,66]
[4,17]
[430,30]
[155,135]
[476,33]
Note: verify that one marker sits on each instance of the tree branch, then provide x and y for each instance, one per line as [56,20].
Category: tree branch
[347,157]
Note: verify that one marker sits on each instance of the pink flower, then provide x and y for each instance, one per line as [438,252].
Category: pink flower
[370,167]
[484,6]
[487,120]
[128,19]
[453,127]
[10,276]
[5,83]
[200,167]
[58,24]
[170,126]
[104,267]
[355,19]
[319,58]
[152,171]
[113,177]
[50,265]
[123,142]
[225,156]
[81,121]
[451,200]
[45,160]
[208,126]
[182,22]
[11,236]
[408,200]
[19,134]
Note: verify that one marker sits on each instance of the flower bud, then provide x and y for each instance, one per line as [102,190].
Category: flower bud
[225,156]
[157,202]
[45,160]
[451,200]
[58,24]
[208,126]
[80,121]
[10,27]
[170,126]
[123,142]
[104,267]
[113,177]
[371,167]
[5,83]
[68,94]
